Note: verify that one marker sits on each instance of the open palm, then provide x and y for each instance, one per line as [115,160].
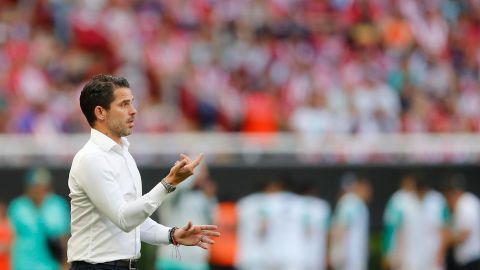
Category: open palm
[196,235]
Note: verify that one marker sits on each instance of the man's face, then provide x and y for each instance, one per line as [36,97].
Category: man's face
[121,115]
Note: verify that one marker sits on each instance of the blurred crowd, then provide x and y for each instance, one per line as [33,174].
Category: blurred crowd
[315,67]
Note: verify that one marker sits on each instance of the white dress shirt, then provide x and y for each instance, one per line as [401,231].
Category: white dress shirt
[109,214]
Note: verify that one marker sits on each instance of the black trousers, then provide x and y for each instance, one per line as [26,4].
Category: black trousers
[99,266]
[475,265]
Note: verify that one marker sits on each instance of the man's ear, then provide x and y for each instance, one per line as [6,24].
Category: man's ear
[100,113]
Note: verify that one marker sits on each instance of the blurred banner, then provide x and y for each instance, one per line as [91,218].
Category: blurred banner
[225,148]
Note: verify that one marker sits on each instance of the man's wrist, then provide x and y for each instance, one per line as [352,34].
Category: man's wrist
[169,179]
[171,236]
[168,186]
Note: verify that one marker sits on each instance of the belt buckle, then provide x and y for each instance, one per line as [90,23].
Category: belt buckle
[130,267]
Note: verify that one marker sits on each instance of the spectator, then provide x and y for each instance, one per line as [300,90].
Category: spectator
[397,34]
[40,220]
[313,119]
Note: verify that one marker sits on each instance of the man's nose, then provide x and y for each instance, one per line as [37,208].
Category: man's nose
[133,111]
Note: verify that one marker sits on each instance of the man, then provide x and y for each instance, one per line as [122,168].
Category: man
[109,214]
[315,223]
[415,222]
[266,221]
[251,233]
[350,224]
[465,231]
[36,217]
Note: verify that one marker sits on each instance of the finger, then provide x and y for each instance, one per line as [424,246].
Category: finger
[197,161]
[202,245]
[178,165]
[207,240]
[211,233]
[209,227]
[187,158]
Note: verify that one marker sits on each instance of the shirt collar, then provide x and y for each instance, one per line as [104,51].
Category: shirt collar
[125,142]
[106,143]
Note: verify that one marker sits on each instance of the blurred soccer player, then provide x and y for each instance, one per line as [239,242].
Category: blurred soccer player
[36,217]
[266,221]
[415,222]
[350,226]
[252,226]
[314,218]
[465,231]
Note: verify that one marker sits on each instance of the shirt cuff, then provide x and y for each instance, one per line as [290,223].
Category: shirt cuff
[163,235]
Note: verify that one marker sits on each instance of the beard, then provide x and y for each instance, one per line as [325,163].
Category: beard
[119,128]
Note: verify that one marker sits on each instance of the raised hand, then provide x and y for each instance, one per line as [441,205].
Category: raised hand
[196,235]
[182,169]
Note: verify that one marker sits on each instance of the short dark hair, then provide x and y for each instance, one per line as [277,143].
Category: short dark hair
[99,92]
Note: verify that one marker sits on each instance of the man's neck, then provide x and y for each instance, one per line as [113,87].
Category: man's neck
[104,130]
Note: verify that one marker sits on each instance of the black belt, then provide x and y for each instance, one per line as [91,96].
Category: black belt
[130,264]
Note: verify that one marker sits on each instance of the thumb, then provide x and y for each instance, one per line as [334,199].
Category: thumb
[188,226]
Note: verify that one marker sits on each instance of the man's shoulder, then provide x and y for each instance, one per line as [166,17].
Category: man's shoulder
[469,200]
[315,202]
[89,151]
[19,206]
[400,198]
[20,201]
[435,197]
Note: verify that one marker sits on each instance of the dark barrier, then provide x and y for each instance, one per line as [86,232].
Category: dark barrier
[237,181]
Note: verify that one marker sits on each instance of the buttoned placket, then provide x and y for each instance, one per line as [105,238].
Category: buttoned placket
[132,171]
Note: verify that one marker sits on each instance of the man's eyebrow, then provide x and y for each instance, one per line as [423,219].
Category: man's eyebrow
[126,100]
